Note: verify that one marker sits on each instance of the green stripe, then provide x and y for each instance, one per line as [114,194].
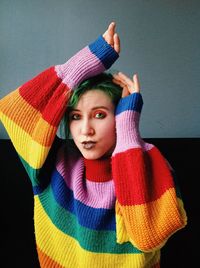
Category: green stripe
[91,240]
[41,176]
[32,173]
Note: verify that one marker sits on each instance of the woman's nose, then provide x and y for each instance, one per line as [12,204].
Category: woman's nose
[86,128]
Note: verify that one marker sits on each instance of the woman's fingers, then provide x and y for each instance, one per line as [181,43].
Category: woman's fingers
[109,33]
[116,43]
[136,82]
[118,82]
[125,92]
[111,37]
[125,79]
[127,84]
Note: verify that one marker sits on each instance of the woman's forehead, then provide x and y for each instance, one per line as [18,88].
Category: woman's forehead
[94,98]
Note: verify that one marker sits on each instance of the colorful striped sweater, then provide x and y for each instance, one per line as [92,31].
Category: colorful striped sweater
[115,212]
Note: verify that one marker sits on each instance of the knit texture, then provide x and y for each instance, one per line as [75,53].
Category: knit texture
[112,212]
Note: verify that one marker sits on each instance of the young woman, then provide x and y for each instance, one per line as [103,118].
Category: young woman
[109,199]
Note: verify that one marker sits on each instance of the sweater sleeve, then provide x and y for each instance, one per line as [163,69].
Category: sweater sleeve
[149,208]
[31,113]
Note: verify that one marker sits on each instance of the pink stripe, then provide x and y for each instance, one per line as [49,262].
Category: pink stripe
[93,194]
[82,65]
[128,135]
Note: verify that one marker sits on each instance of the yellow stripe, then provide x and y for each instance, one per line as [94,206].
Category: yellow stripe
[67,252]
[31,151]
[122,235]
[149,225]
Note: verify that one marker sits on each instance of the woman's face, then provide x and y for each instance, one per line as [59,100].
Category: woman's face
[92,124]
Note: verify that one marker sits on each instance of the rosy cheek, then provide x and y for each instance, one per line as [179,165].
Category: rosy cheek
[72,129]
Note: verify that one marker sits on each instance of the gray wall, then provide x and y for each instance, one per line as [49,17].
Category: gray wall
[160,41]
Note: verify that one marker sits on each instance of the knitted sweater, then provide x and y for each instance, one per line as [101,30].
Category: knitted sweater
[110,212]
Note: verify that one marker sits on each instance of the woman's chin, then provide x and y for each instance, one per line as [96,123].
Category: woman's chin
[91,155]
[95,155]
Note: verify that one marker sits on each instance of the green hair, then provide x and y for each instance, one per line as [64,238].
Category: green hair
[104,82]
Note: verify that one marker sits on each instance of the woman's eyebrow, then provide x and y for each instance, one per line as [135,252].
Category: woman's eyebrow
[77,110]
[93,108]
[100,107]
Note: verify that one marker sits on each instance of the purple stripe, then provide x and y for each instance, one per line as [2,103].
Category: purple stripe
[82,65]
[128,135]
[93,194]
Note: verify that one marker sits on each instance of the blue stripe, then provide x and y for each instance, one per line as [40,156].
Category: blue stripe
[102,219]
[104,52]
[37,190]
[132,102]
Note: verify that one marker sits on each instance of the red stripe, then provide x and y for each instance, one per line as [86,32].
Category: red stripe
[56,106]
[47,94]
[98,170]
[39,89]
[140,177]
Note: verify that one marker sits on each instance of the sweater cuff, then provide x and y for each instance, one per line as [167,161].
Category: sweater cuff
[89,61]
[104,52]
[132,102]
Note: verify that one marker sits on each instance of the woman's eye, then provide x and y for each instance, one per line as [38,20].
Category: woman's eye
[100,115]
[75,117]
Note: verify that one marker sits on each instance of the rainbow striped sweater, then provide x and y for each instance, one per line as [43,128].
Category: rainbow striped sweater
[112,212]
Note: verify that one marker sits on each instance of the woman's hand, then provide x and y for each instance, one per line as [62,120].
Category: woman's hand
[112,38]
[129,86]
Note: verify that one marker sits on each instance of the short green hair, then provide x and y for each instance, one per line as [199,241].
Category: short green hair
[104,82]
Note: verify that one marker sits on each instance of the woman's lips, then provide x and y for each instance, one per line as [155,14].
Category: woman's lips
[88,145]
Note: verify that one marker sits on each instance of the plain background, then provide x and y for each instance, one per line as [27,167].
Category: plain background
[160,41]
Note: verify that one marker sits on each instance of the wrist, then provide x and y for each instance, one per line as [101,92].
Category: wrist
[104,52]
[127,123]
[132,102]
